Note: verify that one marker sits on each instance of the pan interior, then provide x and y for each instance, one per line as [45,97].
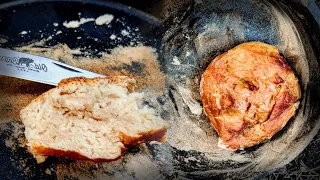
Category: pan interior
[186,43]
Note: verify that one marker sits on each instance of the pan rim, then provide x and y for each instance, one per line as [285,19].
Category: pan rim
[105,3]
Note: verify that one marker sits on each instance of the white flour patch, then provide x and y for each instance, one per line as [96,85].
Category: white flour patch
[113,37]
[193,105]
[23,32]
[125,33]
[104,19]
[76,24]
[2,40]
[175,61]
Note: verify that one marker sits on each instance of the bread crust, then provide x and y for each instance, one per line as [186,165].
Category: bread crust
[121,80]
[128,141]
[41,151]
[73,155]
[249,93]
[156,135]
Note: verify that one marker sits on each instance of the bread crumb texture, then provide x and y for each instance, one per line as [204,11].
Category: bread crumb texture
[95,119]
[138,62]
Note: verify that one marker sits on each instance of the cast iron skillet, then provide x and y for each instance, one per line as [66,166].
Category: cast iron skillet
[38,17]
[204,29]
[207,28]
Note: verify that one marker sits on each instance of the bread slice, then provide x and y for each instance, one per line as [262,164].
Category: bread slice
[93,119]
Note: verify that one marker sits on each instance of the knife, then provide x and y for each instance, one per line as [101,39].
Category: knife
[37,68]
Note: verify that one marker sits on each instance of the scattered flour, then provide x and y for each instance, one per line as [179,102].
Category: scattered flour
[104,19]
[125,33]
[76,24]
[23,32]
[194,106]
[2,40]
[113,37]
[176,61]
[101,20]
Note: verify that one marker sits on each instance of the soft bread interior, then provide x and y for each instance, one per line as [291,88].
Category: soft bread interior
[89,117]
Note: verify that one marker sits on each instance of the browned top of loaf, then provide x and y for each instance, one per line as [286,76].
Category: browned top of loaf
[249,93]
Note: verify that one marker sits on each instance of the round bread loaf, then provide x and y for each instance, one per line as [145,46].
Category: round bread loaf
[249,93]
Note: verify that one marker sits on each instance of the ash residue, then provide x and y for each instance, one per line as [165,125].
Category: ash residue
[197,35]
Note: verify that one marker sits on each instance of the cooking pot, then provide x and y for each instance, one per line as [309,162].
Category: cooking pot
[192,33]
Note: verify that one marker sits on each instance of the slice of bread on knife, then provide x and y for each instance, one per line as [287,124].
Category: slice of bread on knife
[90,119]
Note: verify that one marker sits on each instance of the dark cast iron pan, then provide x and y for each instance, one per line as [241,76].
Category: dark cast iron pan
[203,30]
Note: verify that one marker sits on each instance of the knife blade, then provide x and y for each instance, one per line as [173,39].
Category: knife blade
[37,68]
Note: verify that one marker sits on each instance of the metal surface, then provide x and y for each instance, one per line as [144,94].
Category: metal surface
[205,29]
[193,33]
[38,18]
[37,68]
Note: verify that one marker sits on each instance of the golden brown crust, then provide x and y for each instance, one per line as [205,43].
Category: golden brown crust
[157,135]
[124,80]
[249,93]
[128,141]
[73,155]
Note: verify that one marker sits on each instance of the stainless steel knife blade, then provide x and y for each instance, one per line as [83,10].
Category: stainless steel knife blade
[37,68]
